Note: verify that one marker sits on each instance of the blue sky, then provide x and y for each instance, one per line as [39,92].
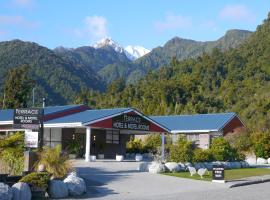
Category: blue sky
[150,23]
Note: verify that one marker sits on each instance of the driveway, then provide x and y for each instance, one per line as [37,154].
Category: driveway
[121,180]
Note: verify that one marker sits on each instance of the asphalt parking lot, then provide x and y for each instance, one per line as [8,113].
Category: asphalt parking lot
[121,180]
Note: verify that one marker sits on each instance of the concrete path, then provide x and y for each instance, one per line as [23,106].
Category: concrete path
[121,180]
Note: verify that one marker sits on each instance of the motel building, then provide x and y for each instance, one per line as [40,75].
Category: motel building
[106,131]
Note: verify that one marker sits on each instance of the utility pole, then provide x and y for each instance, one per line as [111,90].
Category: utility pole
[3,107]
[33,100]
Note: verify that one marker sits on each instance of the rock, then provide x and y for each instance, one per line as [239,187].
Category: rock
[148,156]
[235,165]
[251,161]
[5,192]
[182,166]
[21,191]
[58,189]
[172,167]
[76,185]
[202,171]
[244,164]
[144,167]
[156,168]
[187,165]
[199,165]
[268,160]
[192,170]
[208,165]
[261,161]
[138,157]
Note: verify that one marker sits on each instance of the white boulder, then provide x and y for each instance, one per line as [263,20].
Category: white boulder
[182,166]
[156,168]
[21,191]
[268,160]
[251,160]
[192,171]
[261,161]
[172,167]
[138,157]
[202,171]
[144,167]
[76,185]
[5,192]
[58,189]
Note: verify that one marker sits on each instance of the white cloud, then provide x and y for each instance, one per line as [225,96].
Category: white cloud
[237,13]
[172,22]
[23,3]
[94,28]
[16,20]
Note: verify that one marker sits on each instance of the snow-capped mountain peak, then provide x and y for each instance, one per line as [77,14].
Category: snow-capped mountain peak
[108,42]
[132,52]
[135,52]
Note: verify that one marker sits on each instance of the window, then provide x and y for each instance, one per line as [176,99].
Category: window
[112,137]
[193,138]
[52,137]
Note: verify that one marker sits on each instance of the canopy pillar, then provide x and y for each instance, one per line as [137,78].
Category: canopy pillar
[88,144]
[163,147]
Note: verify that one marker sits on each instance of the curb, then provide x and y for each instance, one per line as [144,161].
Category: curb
[251,182]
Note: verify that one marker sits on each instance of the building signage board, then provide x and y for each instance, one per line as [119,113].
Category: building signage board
[31,139]
[218,174]
[130,122]
[27,118]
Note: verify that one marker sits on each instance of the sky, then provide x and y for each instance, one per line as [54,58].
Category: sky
[149,23]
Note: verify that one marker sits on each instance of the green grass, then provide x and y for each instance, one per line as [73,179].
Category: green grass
[232,174]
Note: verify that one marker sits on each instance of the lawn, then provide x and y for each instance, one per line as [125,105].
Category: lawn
[232,174]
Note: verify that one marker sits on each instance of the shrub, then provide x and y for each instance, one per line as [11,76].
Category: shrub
[222,151]
[37,179]
[182,151]
[134,146]
[240,141]
[201,155]
[11,153]
[55,162]
[74,147]
[261,144]
[152,143]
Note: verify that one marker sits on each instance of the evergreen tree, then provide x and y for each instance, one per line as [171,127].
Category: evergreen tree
[17,87]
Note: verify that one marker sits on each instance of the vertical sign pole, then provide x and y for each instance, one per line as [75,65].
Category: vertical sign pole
[162,147]
[41,130]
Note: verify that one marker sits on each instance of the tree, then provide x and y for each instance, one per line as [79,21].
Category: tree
[17,87]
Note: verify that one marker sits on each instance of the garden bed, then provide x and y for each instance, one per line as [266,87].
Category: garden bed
[232,174]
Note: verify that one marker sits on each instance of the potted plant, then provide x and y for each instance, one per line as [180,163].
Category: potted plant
[101,148]
[74,149]
[38,182]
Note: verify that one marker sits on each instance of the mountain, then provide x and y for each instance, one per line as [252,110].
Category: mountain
[105,58]
[135,52]
[233,80]
[108,42]
[57,79]
[111,61]
[184,48]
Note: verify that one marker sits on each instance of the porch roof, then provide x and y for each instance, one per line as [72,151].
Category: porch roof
[195,123]
[87,116]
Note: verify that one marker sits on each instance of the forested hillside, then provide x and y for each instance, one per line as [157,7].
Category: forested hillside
[237,80]
[57,79]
